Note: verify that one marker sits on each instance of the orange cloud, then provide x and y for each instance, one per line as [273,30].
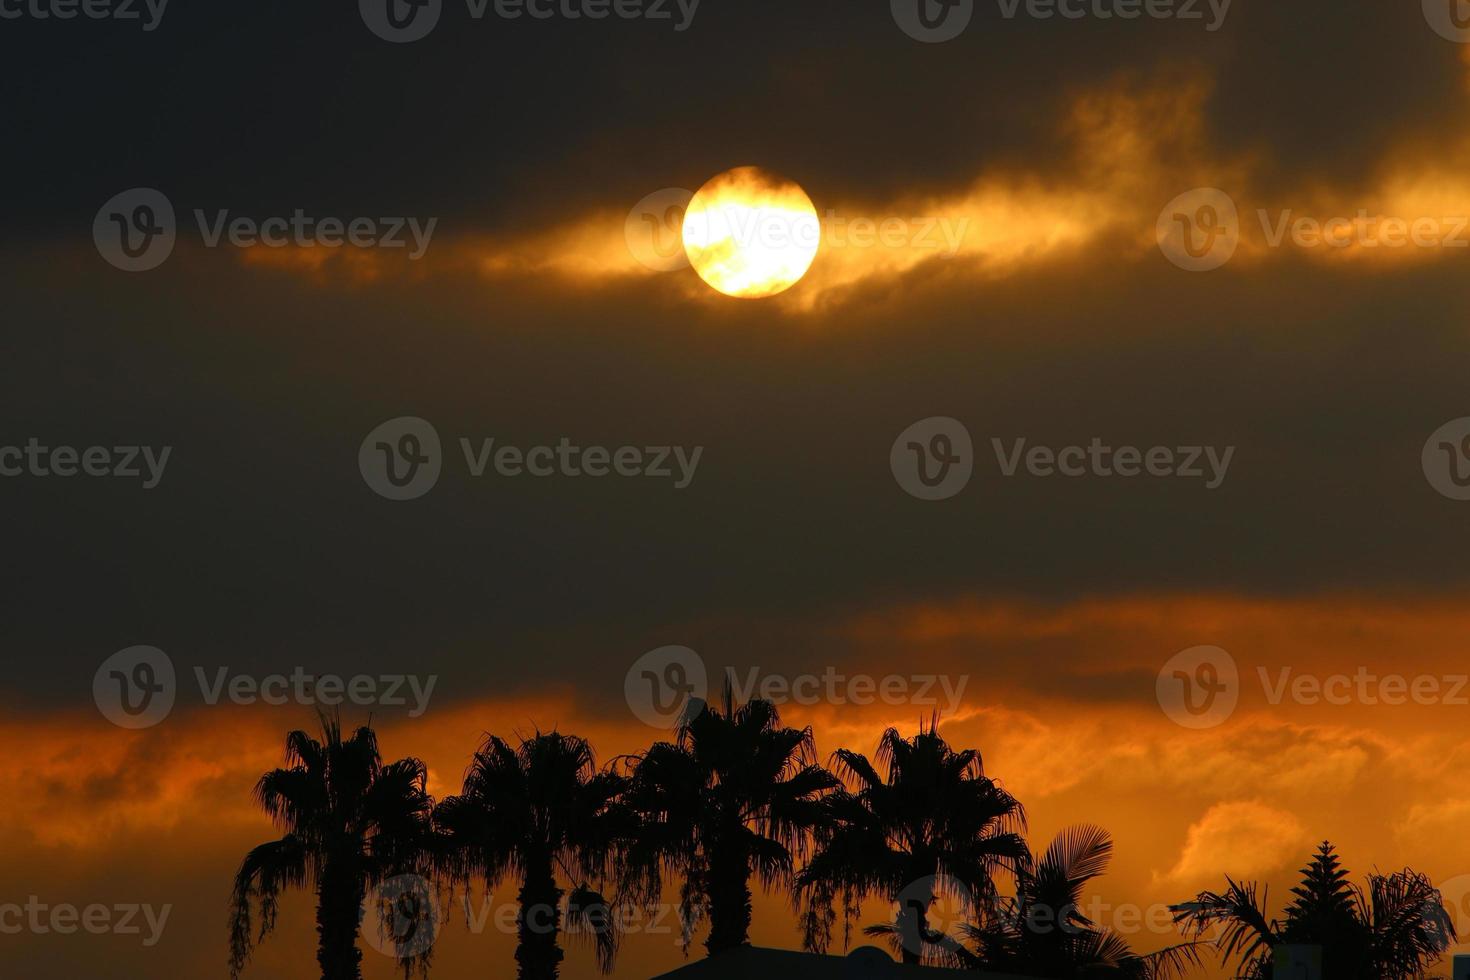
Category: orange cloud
[1244,840]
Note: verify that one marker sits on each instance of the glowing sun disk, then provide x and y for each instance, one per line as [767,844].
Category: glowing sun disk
[751,233]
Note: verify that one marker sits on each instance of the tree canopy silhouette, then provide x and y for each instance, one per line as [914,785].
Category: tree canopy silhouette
[349,823]
[529,813]
[736,795]
[1392,930]
[924,822]
[1042,931]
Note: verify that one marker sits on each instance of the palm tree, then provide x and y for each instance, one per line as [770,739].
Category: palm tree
[931,824]
[735,796]
[527,813]
[349,823]
[1043,933]
[1392,931]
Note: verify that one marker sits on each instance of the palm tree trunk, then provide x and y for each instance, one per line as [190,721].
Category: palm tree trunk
[729,899]
[913,928]
[538,924]
[338,918]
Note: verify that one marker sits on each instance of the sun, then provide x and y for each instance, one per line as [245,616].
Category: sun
[751,233]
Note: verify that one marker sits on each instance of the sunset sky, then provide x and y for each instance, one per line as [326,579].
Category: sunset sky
[1024,168]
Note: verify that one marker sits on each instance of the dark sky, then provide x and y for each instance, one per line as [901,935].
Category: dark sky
[263,543]
[263,549]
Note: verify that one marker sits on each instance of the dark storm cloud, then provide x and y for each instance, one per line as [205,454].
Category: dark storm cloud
[268,106]
[263,548]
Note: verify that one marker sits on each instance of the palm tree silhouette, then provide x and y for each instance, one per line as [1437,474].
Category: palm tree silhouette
[930,825]
[526,813]
[1391,931]
[1042,932]
[349,823]
[735,795]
